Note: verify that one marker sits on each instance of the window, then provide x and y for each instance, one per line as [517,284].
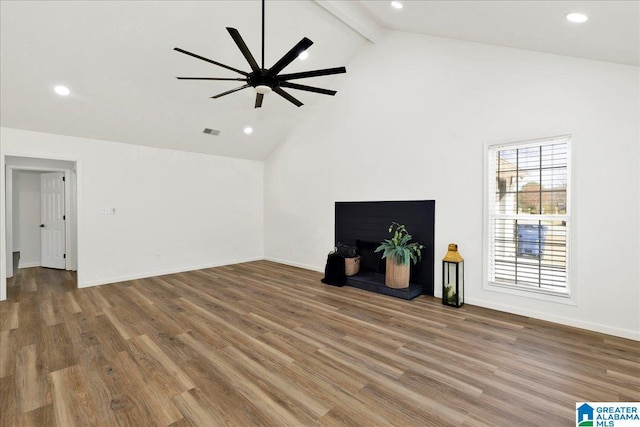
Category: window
[528,215]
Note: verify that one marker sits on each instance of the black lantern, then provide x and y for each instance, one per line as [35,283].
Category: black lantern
[453,277]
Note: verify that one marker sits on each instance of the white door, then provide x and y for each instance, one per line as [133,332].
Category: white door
[52,220]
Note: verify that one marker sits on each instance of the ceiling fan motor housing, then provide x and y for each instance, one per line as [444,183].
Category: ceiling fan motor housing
[262,77]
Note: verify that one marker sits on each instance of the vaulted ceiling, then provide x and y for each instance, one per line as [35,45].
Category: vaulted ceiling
[118,59]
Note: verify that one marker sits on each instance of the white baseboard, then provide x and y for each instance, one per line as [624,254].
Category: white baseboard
[295,264]
[145,275]
[595,327]
[22,264]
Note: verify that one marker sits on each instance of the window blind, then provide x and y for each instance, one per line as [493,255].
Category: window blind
[528,214]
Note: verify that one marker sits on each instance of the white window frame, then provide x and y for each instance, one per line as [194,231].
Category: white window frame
[566,297]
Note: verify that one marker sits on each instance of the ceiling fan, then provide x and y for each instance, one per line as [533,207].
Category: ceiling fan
[264,80]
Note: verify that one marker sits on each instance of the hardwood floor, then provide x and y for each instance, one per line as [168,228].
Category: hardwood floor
[266,344]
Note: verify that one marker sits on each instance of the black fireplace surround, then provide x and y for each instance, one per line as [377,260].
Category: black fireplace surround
[366,224]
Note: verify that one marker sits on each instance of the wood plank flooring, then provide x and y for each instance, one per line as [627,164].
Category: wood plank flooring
[266,344]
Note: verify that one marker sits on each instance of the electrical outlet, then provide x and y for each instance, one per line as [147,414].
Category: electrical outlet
[108,211]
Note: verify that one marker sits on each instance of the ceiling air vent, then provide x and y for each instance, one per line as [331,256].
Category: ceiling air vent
[214,132]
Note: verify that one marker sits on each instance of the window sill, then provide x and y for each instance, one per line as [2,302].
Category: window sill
[533,293]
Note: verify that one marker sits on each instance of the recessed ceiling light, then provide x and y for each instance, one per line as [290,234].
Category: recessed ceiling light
[304,55]
[396,4]
[577,18]
[248,130]
[62,90]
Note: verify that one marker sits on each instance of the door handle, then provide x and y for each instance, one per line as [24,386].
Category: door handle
[41,225]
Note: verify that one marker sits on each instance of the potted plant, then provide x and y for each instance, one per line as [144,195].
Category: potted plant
[398,251]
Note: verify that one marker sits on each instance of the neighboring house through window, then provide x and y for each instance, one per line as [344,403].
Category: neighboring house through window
[528,218]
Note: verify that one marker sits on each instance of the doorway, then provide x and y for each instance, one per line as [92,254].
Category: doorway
[41,214]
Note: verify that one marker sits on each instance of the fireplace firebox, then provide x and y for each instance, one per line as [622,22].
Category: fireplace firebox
[369,259]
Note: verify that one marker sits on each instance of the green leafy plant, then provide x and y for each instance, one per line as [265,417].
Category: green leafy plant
[398,247]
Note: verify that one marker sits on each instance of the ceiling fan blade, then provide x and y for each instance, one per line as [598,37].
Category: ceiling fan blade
[287,96]
[289,57]
[211,61]
[308,88]
[259,97]
[235,35]
[230,91]
[240,79]
[314,73]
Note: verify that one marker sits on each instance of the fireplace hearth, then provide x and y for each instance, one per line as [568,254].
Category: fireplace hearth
[372,273]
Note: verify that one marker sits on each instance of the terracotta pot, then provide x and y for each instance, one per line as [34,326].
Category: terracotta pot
[397,275]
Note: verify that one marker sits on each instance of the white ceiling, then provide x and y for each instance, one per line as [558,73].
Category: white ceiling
[118,59]
[612,32]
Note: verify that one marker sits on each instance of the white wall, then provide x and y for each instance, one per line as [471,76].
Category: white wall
[409,122]
[28,216]
[176,211]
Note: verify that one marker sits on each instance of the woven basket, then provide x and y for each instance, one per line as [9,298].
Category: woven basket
[351,266]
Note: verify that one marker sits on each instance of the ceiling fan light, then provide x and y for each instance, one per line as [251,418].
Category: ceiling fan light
[263,89]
